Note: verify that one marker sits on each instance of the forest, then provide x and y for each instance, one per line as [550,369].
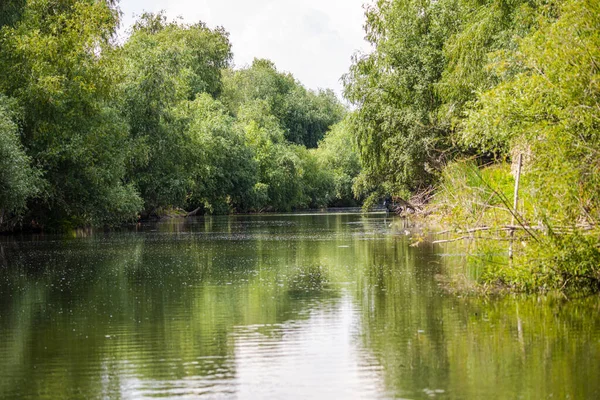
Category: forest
[98,133]
[458,98]
[94,132]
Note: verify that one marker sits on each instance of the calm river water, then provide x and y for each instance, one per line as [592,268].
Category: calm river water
[328,306]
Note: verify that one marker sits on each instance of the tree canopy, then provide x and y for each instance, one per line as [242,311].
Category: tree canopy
[303,115]
[97,132]
[455,91]
[54,65]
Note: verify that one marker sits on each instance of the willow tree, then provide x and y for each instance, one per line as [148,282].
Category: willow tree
[488,32]
[223,172]
[337,153]
[53,64]
[544,107]
[401,138]
[430,60]
[303,115]
[550,110]
[166,63]
[19,181]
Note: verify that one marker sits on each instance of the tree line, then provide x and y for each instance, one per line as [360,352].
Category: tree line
[95,132]
[454,92]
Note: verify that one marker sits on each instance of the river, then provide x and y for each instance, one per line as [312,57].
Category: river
[296,306]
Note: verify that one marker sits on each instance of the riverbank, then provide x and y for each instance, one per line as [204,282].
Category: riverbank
[512,242]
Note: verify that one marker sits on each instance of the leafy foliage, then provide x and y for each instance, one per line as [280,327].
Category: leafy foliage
[222,168]
[166,64]
[470,196]
[107,132]
[485,81]
[487,32]
[400,137]
[304,116]
[337,153]
[549,111]
[10,11]
[53,66]
[288,175]
[19,181]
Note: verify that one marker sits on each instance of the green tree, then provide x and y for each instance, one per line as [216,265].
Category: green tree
[546,109]
[318,183]
[53,62]
[303,115]
[401,138]
[19,181]
[549,112]
[10,11]
[277,185]
[167,63]
[487,30]
[222,166]
[106,132]
[338,154]
[289,175]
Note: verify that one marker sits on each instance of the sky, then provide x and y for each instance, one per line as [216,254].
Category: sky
[312,39]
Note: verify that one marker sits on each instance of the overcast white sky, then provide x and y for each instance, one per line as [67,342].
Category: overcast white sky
[312,39]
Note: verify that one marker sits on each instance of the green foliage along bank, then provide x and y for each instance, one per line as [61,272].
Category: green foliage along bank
[454,92]
[95,132]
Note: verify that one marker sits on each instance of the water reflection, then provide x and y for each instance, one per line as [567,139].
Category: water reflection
[288,306]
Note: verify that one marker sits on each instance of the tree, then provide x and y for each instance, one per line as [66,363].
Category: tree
[222,169]
[19,181]
[545,109]
[54,66]
[10,11]
[303,115]
[337,153]
[486,31]
[402,140]
[98,133]
[550,111]
[277,185]
[167,63]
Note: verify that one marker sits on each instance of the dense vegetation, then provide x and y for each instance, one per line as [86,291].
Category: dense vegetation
[454,92]
[94,132]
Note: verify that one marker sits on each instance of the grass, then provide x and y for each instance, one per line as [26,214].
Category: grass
[475,202]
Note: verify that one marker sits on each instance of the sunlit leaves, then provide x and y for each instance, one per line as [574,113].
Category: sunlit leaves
[550,111]
[55,64]
[167,64]
[399,135]
[303,115]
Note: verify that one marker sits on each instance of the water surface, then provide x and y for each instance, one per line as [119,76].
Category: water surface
[320,306]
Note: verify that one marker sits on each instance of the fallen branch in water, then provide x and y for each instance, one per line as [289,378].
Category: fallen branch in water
[452,240]
[496,238]
[415,205]
[509,228]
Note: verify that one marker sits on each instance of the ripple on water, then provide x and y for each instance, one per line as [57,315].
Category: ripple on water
[286,306]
